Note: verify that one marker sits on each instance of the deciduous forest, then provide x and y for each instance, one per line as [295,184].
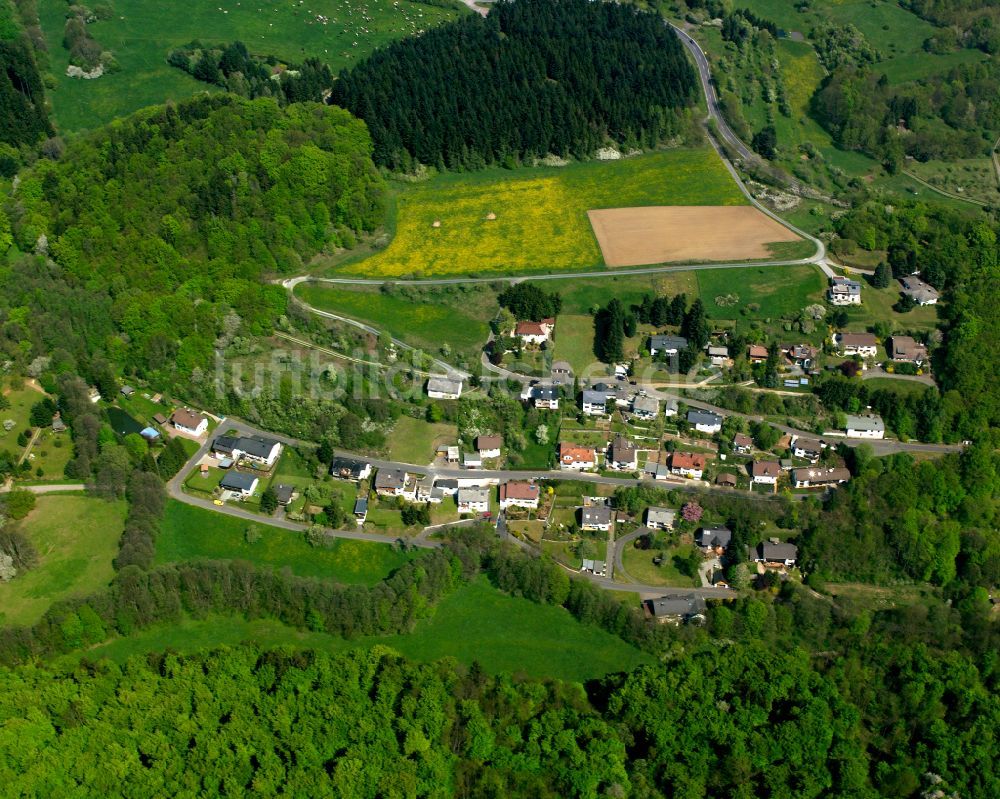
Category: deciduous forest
[533,78]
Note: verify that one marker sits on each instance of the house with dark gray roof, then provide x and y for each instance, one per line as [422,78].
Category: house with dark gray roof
[666,344]
[714,537]
[239,483]
[705,421]
[677,608]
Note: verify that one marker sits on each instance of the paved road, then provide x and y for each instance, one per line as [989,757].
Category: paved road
[620,548]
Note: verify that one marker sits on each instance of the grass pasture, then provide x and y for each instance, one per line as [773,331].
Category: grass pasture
[140,34]
[541,223]
[477,622]
[414,440]
[191,533]
[77,540]
[458,318]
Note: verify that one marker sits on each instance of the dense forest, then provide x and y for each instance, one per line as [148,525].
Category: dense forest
[535,77]
[23,115]
[233,68]
[159,227]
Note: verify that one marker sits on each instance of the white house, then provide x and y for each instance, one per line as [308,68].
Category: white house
[595,517]
[623,455]
[765,472]
[252,448]
[718,356]
[844,291]
[742,444]
[239,483]
[534,332]
[488,446]
[645,407]
[194,424]
[660,518]
[705,421]
[807,448]
[922,293]
[666,344]
[473,499]
[776,553]
[688,464]
[518,494]
[670,408]
[594,403]
[576,458]
[545,397]
[442,387]
[471,460]
[863,344]
[868,426]
[813,478]
[394,483]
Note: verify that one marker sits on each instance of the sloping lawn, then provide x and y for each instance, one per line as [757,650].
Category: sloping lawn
[414,440]
[77,540]
[190,533]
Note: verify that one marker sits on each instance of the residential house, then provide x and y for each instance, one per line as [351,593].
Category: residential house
[546,397]
[844,291]
[757,353]
[867,426]
[576,458]
[253,448]
[713,537]
[742,444]
[534,332]
[688,464]
[644,407]
[666,344]
[452,454]
[725,479]
[518,494]
[808,448]
[473,499]
[187,421]
[595,517]
[393,483]
[718,356]
[863,344]
[361,509]
[705,421]
[594,403]
[350,469]
[922,293]
[765,472]
[239,483]
[656,471]
[906,349]
[471,460]
[622,455]
[776,553]
[660,518]
[786,464]
[423,488]
[801,355]
[447,486]
[441,387]
[59,426]
[488,446]
[670,408]
[677,608]
[284,493]
[815,478]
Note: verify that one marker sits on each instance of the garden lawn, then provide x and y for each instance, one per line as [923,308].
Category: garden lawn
[51,453]
[19,412]
[876,306]
[190,533]
[777,290]
[575,341]
[423,322]
[639,565]
[476,622]
[541,222]
[414,440]
[77,540]
[141,34]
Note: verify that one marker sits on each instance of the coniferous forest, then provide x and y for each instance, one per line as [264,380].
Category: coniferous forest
[534,77]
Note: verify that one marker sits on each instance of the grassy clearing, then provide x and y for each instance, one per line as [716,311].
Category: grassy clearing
[877,307]
[414,440]
[640,567]
[974,178]
[575,341]
[477,622]
[190,533]
[141,34]
[541,223]
[77,540]
[899,386]
[50,453]
[426,320]
[19,412]
[775,290]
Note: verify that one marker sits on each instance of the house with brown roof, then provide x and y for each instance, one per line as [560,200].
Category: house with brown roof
[863,344]
[905,349]
[575,458]
[818,478]
[725,479]
[808,448]
[622,455]
[534,332]
[765,472]
[742,443]
[688,464]
[518,494]
[187,421]
[756,353]
[488,446]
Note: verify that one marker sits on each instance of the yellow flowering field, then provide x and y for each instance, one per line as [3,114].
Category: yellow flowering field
[445,225]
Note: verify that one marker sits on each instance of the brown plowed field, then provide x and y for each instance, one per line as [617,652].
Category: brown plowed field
[683,233]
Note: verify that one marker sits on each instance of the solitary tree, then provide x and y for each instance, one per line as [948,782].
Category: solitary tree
[268,501]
